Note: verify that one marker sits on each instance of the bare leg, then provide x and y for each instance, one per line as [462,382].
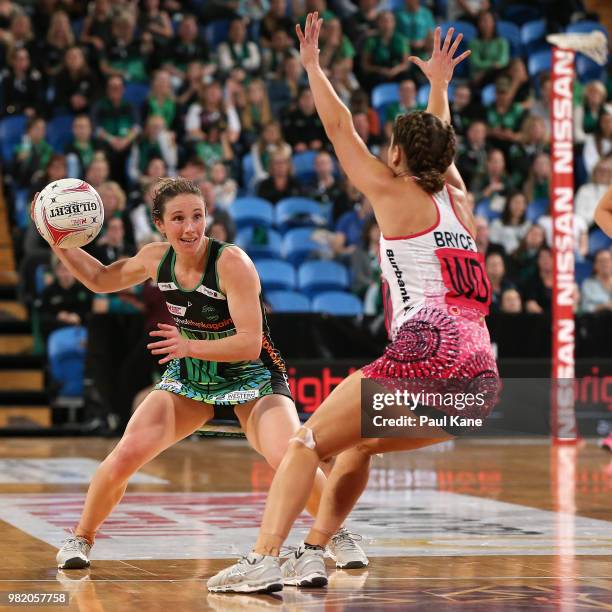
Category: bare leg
[348,480]
[269,423]
[161,420]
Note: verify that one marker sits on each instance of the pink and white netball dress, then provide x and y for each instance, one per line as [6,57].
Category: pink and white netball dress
[436,295]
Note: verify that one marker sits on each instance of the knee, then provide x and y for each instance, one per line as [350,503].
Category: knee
[304,438]
[121,463]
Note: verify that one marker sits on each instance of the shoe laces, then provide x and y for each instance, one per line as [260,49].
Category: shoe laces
[287,551]
[75,543]
[345,539]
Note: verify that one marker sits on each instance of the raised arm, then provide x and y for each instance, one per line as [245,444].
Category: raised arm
[603,213]
[364,170]
[439,71]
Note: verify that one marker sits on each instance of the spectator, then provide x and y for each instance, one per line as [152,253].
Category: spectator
[597,290]
[524,259]
[465,109]
[189,91]
[55,169]
[520,84]
[496,272]
[540,107]
[193,169]
[362,126]
[224,187]
[58,40]
[211,112]
[513,225]
[64,302]
[472,159]
[334,45]
[270,141]
[214,214]
[157,23]
[145,231]
[534,141]
[504,116]
[343,80]
[284,91]
[586,115]
[76,85]
[111,247]
[511,302]
[155,142]
[406,104]
[127,56]
[302,127]
[363,23]
[19,36]
[385,55]
[484,245]
[497,183]
[537,185]
[161,100]
[599,144]
[360,104]
[98,170]
[349,228]
[581,238]
[33,153]
[21,87]
[238,52]
[490,52]
[538,289]
[116,124]
[416,23]
[97,27]
[256,111]
[273,56]
[275,20]
[589,194]
[280,184]
[365,269]
[467,10]
[325,188]
[187,47]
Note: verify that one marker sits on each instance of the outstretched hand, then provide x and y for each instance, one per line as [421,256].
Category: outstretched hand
[441,65]
[173,344]
[309,39]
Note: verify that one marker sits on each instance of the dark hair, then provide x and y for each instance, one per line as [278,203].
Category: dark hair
[429,146]
[506,214]
[168,188]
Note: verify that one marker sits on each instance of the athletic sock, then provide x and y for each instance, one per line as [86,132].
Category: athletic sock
[308,546]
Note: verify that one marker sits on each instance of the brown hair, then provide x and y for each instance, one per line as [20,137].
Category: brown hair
[429,146]
[168,188]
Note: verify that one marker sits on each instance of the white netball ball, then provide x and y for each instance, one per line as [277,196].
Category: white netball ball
[68,213]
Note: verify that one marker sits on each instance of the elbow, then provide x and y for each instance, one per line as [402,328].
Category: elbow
[252,348]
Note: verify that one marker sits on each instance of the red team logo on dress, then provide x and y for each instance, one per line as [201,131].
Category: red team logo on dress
[463,273]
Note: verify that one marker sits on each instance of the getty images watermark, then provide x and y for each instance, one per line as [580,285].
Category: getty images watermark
[422,408]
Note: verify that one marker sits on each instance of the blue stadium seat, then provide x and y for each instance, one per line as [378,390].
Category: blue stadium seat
[251,211]
[583,270]
[423,93]
[11,131]
[598,240]
[248,173]
[298,245]
[536,209]
[483,209]
[303,166]
[288,301]
[59,132]
[584,27]
[136,94]
[215,32]
[533,36]
[22,208]
[276,274]
[521,13]
[385,94]
[338,303]
[469,32]
[260,242]
[66,354]
[318,276]
[512,33]
[588,70]
[299,212]
[538,62]
[487,94]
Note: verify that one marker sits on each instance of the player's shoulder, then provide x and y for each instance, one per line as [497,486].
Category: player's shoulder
[234,261]
[150,255]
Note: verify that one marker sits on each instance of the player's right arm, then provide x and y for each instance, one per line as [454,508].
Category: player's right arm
[603,213]
[120,274]
[439,71]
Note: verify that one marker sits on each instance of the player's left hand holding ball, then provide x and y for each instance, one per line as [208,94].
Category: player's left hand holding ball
[68,213]
[173,343]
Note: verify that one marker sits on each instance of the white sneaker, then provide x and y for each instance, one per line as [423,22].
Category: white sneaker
[74,553]
[305,567]
[345,551]
[252,574]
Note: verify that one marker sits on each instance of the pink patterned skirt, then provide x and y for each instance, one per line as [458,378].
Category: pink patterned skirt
[442,343]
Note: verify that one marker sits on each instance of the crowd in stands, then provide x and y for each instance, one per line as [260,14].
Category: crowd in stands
[122,92]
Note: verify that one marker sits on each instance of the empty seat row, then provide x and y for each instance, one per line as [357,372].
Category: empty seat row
[337,303]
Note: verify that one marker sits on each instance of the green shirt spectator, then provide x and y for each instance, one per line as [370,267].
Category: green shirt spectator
[490,52]
[415,22]
[33,153]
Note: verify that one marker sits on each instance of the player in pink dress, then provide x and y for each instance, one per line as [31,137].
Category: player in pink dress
[436,294]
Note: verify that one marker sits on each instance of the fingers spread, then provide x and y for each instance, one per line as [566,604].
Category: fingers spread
[447,39]
[454,46]
[437,38]
[298,31]
[459,59]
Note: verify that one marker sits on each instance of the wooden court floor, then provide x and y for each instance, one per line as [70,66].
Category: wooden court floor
[498,524]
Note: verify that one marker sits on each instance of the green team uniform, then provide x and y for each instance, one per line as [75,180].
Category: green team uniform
[203,314]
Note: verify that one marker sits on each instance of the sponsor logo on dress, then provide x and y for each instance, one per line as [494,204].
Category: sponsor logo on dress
[167,286]
[176,310]
[240,396]
[210,292]
[174,385]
